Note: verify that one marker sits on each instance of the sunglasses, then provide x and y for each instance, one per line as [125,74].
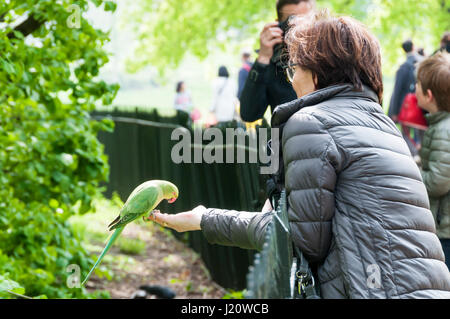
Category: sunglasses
[290,71]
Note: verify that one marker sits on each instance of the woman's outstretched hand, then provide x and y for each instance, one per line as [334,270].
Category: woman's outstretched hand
[182,222]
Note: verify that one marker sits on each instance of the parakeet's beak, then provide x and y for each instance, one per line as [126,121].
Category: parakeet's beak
[173,199]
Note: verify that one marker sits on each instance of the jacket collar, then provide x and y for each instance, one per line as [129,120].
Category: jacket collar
[437,117]
[283,112]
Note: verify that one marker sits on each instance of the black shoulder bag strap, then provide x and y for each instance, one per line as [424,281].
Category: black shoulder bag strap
[305,282]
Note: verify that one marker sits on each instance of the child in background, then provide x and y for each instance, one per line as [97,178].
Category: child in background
[433,95]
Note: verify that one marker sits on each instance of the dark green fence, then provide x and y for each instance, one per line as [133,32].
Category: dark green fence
[139,149]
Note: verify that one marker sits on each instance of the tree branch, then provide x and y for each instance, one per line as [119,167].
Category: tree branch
[27,27]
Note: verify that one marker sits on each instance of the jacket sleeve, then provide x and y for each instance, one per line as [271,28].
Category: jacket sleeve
[253,99]
[437,177]
[231,228]
[312,161]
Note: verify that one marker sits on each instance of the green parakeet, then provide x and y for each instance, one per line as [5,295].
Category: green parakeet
[142,200]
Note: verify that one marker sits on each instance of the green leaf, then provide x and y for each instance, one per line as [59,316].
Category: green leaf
[53,203]
[110,6]
[67,159]
[7,284]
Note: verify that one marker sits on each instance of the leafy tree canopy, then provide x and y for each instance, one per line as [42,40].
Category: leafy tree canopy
[50,158]
[169,29]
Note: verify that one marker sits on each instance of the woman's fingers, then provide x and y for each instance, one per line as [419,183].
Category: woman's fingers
[187,221]
[162,219]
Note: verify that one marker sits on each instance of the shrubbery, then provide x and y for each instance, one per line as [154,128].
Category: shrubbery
[51,162]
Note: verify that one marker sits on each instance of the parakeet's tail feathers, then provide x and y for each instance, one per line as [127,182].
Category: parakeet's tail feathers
[114,222]
[116,225]
[111,241]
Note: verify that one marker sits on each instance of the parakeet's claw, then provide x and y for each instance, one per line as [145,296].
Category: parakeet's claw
[155,211]
[149,218]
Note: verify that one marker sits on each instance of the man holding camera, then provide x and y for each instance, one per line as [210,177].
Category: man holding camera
[267,82]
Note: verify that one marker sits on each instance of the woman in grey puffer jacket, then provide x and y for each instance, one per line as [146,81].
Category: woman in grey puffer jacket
[357,203]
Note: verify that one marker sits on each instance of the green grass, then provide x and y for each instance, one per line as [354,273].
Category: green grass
[132,246]
[92,227]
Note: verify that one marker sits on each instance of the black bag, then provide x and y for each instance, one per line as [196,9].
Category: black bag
[304,279]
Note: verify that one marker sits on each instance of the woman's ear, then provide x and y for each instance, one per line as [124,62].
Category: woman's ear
[315,81]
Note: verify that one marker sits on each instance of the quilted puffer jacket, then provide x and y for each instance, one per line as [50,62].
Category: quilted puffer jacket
[358,208]
[435,155]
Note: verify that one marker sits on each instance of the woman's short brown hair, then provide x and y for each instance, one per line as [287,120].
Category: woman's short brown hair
[434,75]
[336,50]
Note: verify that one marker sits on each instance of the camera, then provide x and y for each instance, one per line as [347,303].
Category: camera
[280,53]
[285,25]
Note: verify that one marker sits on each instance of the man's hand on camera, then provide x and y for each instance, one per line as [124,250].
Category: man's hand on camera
[270,36]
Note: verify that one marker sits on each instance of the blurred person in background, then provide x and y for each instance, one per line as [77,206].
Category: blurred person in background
[405,80]
[183,103]
[421,55]
[357,205]
[224,97]
[433,95]
[445,43]
[267,82]
[421,52]
[404,90]
[244,71]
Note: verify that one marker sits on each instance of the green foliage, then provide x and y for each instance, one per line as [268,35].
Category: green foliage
[8,286]
[168,30]
[395,21]
[50,158]
[231,294]
[131,246]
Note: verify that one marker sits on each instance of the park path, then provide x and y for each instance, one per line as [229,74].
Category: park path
[165,262]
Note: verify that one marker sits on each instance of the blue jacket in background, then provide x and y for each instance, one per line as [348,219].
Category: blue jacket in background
[405,82]
[243,75]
